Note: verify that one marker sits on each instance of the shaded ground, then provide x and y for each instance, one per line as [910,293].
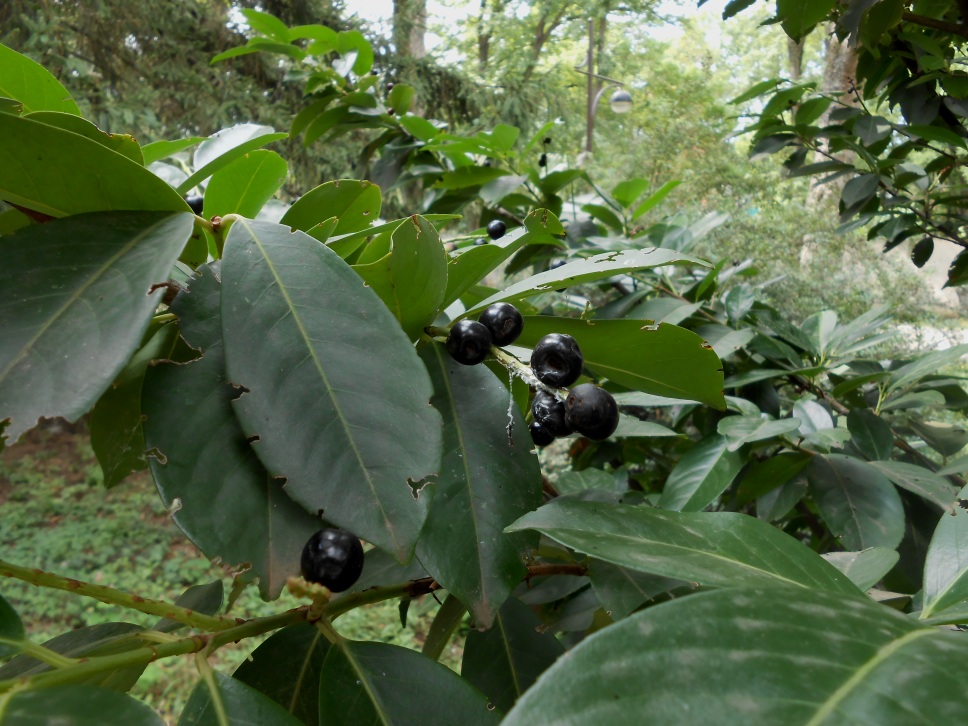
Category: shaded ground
[57,516]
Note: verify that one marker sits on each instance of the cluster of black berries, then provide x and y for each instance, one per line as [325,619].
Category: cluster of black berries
[556,361]
[333,558]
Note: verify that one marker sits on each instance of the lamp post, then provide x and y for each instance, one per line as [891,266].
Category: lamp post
[620,100]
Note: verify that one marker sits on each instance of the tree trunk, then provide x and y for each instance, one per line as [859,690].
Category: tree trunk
[795,58]
[409,27]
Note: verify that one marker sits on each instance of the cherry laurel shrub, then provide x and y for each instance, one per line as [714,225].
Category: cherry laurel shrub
[770,535]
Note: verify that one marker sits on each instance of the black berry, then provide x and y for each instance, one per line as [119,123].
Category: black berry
[334,558]
[496,229]
[591,411]
[196,204]
[468,342]
[557,360]
[543,161]
[539,434]
[503,321]
[550,413]
[547,140]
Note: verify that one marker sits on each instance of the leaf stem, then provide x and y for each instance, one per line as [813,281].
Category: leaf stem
[45,655]
[205,671]
[118,597]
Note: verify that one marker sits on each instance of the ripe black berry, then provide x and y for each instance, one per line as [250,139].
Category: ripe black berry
[332,557]
[550,413]
[543,161]
[468,342]
[196,204]
[496,229]
[557,360]
[591,411]
[503,321]
[540,435]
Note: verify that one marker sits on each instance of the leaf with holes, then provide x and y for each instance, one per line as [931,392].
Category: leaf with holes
[739,657]
[76,305]
[332,387]
[223,498]
[719,549]
[485,483]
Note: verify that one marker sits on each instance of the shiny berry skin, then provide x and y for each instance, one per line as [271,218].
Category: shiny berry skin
[539,434]
[468,342]
[196,204]
[591,411]
[557,360]
[333,558]
[504,321]
[550,413]
[496,229]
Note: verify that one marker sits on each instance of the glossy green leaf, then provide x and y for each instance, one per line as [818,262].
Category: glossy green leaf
[756,657]
[916,370]
[571,482]
[90,641]
[485,484]
[621,590]
[925,483]
[123,144]
[225,146]
[226,502]
[60,173]
[117,431]
[631,427]
[11,629]
[503,661]
[412,277]
[946,565]
[286,668]
[594,268]
[446,621]
[866,568]
[158,150]
[945,438]
[858,503]
[379,683]
[701,475]
[626,192]
[764,476]
[245,185]
[353,40]
[721,549]
[205,599]
[740,430]
[32,85]
[75,705]
[228,700]
[267,24]
[400,98]
[76,305]
[605,215]
[655,199]
[332,386]
[356,204]
[664,360]
[870,433]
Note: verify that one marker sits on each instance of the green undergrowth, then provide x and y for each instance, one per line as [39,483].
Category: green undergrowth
[58,517]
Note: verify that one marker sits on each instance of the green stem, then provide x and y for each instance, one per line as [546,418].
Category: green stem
[220,229]
[45,655]
[118,597]
[205,671]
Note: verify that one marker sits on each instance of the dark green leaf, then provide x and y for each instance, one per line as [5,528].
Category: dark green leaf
[701,475]
[740,430]
[655,199]
[469,176]
[60,173]
[958,272]
[585,480]
[11,629]
[292,305]
[621,590]
[286,669]
[756,657]
[866,568]
[412,277]
[245,185]
[505,660]
[32,85]
[378,683]
[605,215]
[117,433]
[447,620]
[205,599]
[76,305]
[947,439]
[486,482]
[76,705]
[226,502]
[946,566]
[356,204]
[734,7]
[922,252]
[712,548]
[870,434]
[756,90]
[764,476]
[665,360]
[230,701]
[923,482]
[858,503]
[912,372]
